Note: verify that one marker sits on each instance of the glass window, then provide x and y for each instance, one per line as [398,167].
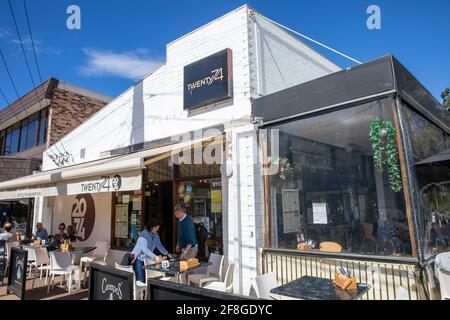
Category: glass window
[8,141]
[127,218]
[327,188]
[433,180]
[15,135]
[43,123]
[31,134]
[2,142]
[23,135]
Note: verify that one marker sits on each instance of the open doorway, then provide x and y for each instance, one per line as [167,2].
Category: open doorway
[159,205]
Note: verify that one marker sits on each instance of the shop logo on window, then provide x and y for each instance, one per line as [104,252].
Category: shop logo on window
[208,80]
[83,216]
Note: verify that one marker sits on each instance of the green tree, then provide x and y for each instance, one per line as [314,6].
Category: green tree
[446,98]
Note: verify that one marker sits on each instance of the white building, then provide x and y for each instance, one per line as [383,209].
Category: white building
[132,137]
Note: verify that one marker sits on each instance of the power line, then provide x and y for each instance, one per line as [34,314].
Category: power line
[26,59]
[32,41]
[21,44]
[4,97]
[12,82]
[312,40]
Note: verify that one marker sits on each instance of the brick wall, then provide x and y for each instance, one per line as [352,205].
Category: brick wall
[12,168]
[67,111]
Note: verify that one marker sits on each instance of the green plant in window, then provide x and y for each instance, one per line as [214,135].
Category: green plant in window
[284,167]
[384,147]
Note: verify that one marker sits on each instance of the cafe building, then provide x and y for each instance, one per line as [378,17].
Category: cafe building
[274,150]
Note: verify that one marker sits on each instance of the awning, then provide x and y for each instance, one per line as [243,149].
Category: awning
[119,173]
[438,157]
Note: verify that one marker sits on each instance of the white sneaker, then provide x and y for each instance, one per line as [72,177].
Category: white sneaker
[140,284]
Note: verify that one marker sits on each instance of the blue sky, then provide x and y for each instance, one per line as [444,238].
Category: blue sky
[120,41]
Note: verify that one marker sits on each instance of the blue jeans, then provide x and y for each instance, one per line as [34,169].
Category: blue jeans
[139,269]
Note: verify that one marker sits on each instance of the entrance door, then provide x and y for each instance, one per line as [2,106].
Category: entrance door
[159,205]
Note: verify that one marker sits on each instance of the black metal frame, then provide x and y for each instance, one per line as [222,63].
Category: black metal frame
[20,292]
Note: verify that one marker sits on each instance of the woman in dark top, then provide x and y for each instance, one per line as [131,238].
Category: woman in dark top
[72,233]
[61,235]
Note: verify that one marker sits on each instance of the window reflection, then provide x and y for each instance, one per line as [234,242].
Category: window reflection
[333,192]
[430,143]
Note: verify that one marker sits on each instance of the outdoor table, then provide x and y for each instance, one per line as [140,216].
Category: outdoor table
[77,252]
[174,269]
[313,288]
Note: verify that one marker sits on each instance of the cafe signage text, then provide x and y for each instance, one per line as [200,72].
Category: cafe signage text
[208,80]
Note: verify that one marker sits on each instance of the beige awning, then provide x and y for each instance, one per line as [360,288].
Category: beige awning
[118,173]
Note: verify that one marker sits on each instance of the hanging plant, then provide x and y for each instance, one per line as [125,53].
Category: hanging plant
[284,167]
[384,147]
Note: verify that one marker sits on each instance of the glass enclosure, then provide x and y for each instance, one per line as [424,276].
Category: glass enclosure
[339,181]
[433,181]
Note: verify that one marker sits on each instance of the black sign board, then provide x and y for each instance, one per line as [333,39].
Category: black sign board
[208,80]
[17,277]
[109,283]
[167,290]
[2,260]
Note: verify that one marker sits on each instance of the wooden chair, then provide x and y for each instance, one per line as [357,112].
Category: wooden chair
[330,247]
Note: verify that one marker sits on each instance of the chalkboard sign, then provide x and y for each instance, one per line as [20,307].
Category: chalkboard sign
[2,260]
[109,283]
[17,276]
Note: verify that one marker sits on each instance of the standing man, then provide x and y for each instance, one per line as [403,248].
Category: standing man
[187,240]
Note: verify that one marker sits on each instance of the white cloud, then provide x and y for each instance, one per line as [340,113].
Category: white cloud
[28,45]
[4,33]
[133,65]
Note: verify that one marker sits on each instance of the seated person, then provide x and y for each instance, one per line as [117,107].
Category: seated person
[61,235]
[72,233]
[7,235]
[41,232]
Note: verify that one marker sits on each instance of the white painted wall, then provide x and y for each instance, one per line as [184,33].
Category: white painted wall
[279,60]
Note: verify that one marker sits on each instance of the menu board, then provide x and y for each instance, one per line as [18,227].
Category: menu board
[109,283]
[291,210]
[216,196]
[2,259]
[320,213]
[121,226]
[17,272]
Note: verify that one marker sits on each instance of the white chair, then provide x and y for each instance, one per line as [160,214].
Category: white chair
[100,253]
[138,289]
[39,260]
[227,284]
[442,271]
[213,273]
[42,263]
[61,264]
[30,258]
[263,284]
